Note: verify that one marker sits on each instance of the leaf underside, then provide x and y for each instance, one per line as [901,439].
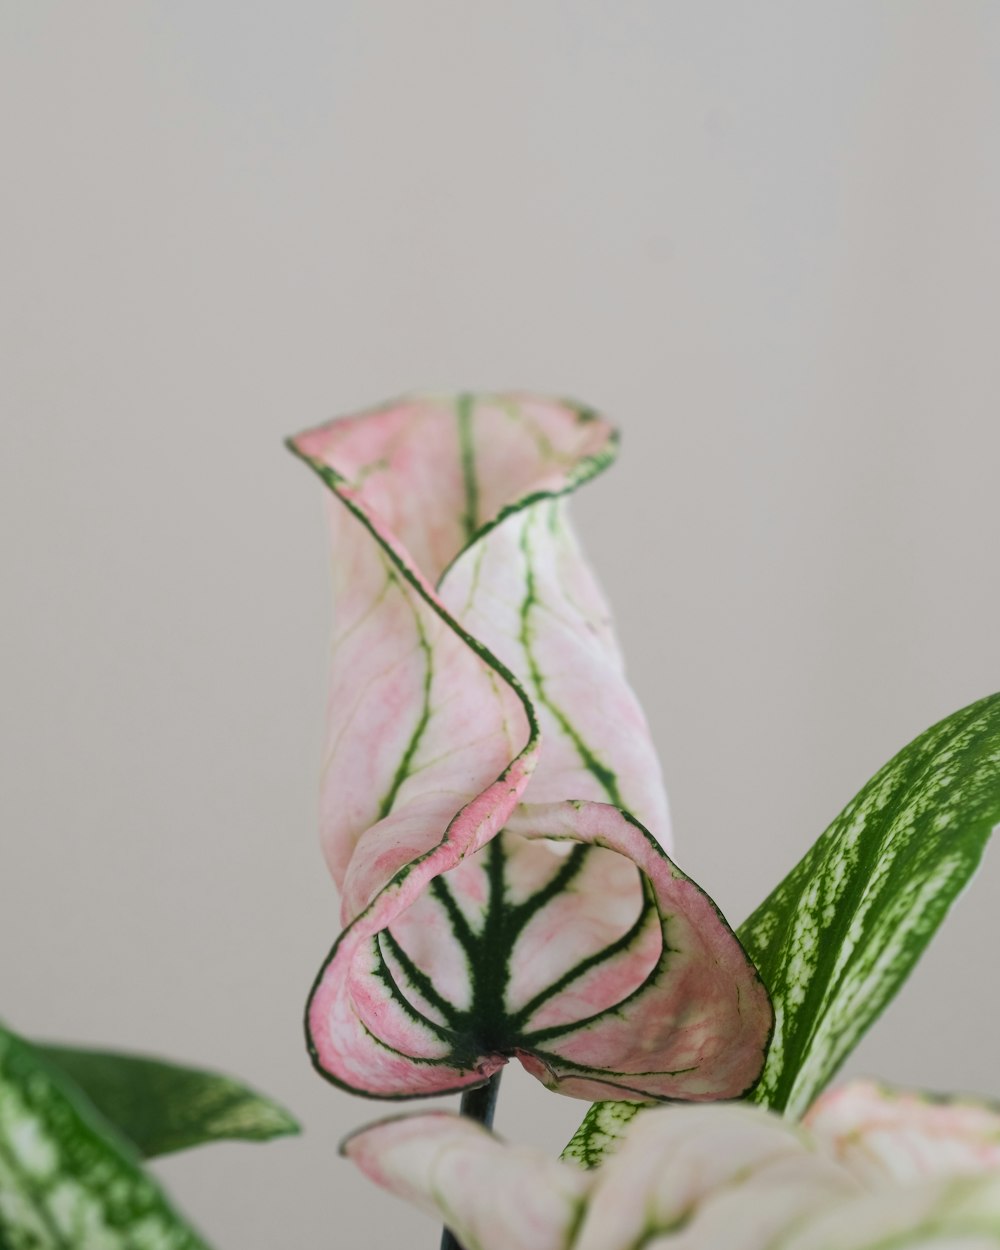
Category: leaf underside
[838,937]
[162,1107]
[68,1181]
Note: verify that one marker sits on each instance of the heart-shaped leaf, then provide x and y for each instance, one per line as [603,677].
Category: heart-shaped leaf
[838,937]
[68,1181]
[162,1107]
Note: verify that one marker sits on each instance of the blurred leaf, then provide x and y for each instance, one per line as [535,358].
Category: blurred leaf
[838,937]
[161,1107]
[68,1181]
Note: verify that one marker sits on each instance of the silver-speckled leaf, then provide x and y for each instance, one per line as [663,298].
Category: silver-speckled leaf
[67,1180]
[835,941]
[601,1133]
[162,1107]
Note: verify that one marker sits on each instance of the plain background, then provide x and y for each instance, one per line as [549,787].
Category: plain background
[762,237]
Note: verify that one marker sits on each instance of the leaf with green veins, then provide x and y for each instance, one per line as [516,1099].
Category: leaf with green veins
[501,898]
[601,1133]
[161,1107]
[837,938]
[68,1180]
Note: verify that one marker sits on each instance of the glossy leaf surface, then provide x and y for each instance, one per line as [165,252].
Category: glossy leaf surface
[162,1107]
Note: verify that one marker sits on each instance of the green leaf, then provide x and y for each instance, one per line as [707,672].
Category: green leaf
[835,941]
[68,1181]
[601,1133]
[161,1107]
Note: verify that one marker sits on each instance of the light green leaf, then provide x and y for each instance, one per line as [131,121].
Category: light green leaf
[161,1107]
[835,941]
[601,1133]
[67,1180]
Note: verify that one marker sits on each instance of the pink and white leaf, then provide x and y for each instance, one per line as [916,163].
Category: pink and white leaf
[949,1213]
[676,1013]
[705,1177]
[683,1178]
[491,1195]
[878,1131]
[694,1178]
[468,632]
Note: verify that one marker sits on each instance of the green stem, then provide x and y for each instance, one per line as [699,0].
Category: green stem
[478,1104]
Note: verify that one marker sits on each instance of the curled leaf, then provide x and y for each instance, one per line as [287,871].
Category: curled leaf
[469,632]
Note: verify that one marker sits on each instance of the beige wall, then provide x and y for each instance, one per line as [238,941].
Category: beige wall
[762,236]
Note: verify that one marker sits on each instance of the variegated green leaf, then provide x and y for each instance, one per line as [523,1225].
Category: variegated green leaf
[161,1107]
[836,940]
[67,1180]
[601,1133]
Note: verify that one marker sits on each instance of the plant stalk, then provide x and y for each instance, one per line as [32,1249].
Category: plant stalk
[478,1104]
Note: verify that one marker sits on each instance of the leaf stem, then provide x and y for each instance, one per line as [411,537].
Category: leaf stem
[478,1104]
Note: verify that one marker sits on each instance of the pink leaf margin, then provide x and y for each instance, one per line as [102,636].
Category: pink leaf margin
[339,1004]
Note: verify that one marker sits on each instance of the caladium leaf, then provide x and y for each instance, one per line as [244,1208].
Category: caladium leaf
[721,1175]
[836,940]
[954,1213]
[68,1181]
[162,1107]
[489,1194]
[880,1132]
[468,629]
[674,1169]
[702,1177]
[655,1013]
